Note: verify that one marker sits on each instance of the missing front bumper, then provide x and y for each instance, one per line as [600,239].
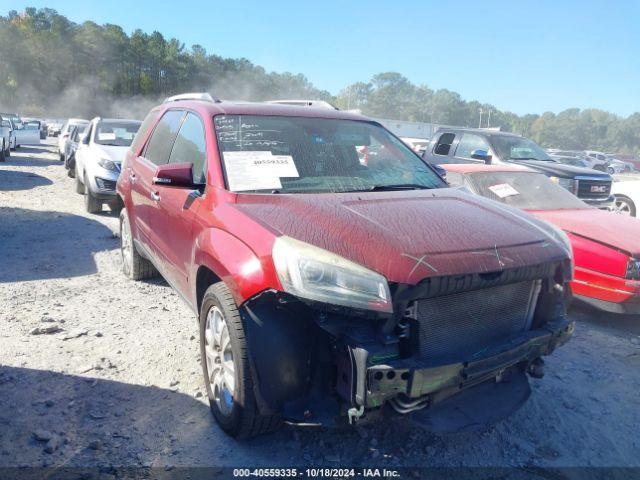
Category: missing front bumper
[432,384]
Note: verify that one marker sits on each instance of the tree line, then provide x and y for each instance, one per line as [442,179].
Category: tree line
[51,66]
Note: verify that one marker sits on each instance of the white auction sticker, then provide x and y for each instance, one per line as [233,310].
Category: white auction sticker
[257,170]
[504,190]
[103,137]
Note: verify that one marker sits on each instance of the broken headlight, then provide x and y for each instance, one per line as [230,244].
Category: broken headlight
[633,269]
[316,274]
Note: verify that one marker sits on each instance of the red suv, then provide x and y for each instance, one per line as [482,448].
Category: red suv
[326,286]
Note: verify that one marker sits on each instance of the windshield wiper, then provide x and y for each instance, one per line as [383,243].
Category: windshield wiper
[387,188]
[398,186]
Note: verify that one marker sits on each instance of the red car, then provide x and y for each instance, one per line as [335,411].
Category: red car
[606,246]
[328,288]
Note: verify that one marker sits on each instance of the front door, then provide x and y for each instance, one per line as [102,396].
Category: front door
[177,207]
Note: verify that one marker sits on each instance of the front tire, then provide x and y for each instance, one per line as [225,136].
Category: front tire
[91,203]
[225,364]
[3,154]
[623,205]
[79,185]
[134,265]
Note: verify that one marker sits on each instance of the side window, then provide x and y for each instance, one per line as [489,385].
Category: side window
[163,136]
[190,147]
[444,144]
[141,136]
[468,143]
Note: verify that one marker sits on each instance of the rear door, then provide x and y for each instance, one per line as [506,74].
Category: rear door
[177,207]
[143,192]
[441,151]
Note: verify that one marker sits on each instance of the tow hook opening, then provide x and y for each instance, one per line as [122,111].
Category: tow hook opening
[536,368]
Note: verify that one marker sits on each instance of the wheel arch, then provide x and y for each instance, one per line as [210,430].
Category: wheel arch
[220,256]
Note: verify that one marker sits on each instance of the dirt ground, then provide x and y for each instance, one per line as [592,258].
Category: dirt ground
[117,380]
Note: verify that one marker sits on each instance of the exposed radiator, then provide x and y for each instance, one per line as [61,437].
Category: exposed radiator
[459,326]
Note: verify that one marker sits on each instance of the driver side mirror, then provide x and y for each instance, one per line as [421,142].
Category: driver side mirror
[178,175]
[481,155]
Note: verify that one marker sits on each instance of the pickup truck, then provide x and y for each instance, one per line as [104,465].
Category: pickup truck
[470,145]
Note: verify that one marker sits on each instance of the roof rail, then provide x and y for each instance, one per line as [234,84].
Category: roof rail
[192,96]
[305,103]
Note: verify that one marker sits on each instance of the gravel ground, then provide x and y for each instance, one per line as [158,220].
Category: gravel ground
[96,370]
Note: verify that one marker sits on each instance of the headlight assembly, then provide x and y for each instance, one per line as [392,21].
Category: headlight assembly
[316,274]
[567,183]
[633,269]
[108,164]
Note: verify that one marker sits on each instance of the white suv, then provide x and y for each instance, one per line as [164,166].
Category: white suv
[98,159]
[63,138]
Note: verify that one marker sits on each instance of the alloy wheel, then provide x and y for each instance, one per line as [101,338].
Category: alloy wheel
[219,357]
[622,207]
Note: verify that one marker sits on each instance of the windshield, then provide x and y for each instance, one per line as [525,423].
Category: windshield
[518,148]
[117,134]
[315,155]
[527,190]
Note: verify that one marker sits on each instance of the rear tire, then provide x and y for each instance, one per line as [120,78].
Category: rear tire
[134,265]
[222,341]
[91,203]
[3,154]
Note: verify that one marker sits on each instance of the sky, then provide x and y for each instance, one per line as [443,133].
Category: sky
[524,56]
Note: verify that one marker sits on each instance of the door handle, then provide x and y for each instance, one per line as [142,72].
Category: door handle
[155,196]
[132,177]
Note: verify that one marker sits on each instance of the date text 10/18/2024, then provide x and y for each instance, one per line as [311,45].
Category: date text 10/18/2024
[316,472]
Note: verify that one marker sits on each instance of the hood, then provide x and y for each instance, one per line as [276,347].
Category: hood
[562,170]
[114,153]
[410,235]
[616,231]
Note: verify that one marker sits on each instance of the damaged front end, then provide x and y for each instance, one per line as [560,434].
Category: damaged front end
[317,362]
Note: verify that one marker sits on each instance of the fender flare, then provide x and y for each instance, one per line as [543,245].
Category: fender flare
[233,262]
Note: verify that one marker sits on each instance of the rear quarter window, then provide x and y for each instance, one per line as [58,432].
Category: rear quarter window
[443,145]
[163,136]
[146,126]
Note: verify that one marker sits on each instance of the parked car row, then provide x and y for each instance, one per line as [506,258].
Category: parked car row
[92,152]
[17,132]
[332,270]
[604,162]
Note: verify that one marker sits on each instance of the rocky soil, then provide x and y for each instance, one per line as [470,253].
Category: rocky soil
[100,371]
